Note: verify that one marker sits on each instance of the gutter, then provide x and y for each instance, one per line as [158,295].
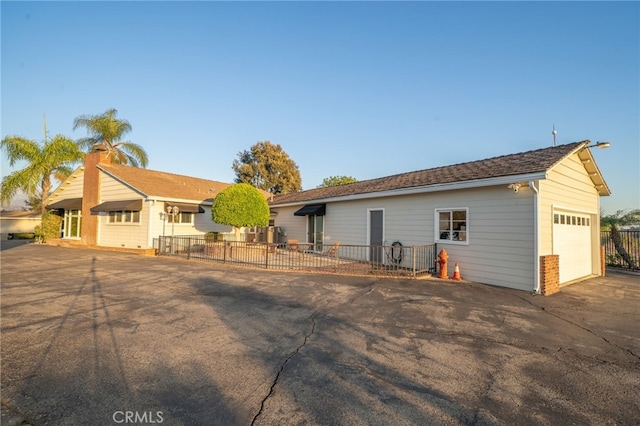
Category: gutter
[150,204]
[451,186]
[536,237]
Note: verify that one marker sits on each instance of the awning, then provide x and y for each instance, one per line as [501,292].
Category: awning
[182,207]
[68,204]
[311,210]
[117,206]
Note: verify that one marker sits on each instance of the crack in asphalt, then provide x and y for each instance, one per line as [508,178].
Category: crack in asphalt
[369,290]
[512,343]
[627,350]
[275,381]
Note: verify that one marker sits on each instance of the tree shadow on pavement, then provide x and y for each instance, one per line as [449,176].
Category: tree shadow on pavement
[325,369]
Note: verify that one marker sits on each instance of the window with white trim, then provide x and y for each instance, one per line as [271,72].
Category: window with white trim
[452,225]
[182,217]
[123,216]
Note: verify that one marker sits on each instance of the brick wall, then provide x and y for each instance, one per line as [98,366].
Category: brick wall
[91,197]
[549,274]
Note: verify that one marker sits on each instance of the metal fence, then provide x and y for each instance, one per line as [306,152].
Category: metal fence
[630,241]
[392,260]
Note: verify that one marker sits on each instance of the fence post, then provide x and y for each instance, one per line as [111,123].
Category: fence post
[266,256]
[413,260]
[189,248]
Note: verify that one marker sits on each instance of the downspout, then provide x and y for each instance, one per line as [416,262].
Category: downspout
[150,203]
[536,238]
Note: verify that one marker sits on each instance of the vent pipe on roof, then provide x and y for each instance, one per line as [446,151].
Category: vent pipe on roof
[98,147]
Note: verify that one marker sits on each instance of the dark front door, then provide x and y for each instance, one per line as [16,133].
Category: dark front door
[376,234]
[316,232]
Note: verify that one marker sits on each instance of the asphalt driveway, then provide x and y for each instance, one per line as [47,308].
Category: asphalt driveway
[97,338]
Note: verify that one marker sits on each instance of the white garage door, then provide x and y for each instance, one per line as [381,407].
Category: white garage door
[572,242]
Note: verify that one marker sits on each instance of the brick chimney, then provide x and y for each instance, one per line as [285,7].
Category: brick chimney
[91,194]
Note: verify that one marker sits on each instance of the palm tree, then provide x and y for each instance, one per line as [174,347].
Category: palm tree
[54,158]
[105,130]
[613,222]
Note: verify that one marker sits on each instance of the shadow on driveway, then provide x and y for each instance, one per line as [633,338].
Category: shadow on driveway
[87,335]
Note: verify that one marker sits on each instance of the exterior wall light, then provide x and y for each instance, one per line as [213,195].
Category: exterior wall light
[515,187]
[600,145]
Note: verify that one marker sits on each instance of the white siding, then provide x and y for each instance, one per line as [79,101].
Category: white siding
[10,225]
[569,188]
[500,226]
[294,227]
[130,235]
[500,233]
[113,190]
[70,188]
[202,223]
[152,224]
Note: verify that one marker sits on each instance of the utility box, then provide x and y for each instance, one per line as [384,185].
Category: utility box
[269,234]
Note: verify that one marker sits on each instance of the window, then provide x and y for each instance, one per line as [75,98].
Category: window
[452,225]
[126,216]
[72,223]
[182,217]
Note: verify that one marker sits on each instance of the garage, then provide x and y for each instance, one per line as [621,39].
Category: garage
[572,243]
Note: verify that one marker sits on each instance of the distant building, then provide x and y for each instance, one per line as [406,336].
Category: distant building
[16,222]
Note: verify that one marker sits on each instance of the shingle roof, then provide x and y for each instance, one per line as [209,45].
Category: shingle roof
[166,185]
[538,160]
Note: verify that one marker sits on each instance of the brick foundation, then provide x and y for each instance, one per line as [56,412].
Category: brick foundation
[549,274]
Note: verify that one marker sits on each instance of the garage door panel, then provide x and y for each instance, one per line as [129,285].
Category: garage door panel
[572,243]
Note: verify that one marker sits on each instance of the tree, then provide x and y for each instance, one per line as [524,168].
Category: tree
[105,130]
[336,181]
[33,202]
[614,222]
[52,159]
[240,205]
[266,166]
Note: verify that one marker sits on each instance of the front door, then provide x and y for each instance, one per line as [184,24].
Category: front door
[316,231]
[376,235]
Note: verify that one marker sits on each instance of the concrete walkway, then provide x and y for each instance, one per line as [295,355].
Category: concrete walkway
[97,338]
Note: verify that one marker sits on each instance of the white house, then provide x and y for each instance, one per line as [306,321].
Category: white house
[506,220]
[112,205]
[15,222]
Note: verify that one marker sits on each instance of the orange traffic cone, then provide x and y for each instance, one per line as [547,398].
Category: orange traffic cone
[456,273]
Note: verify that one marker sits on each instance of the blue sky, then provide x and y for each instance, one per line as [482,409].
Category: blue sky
[365,89]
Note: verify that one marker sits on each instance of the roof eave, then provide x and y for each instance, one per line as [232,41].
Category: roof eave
[589,163]
[74,175]
[476,183]
[180,200]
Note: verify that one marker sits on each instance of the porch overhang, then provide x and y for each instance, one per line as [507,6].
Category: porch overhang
[116,206]
[311,210]
[184,207]
[68,204]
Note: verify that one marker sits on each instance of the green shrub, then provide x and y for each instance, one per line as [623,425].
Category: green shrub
[24,236]
[50,227]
